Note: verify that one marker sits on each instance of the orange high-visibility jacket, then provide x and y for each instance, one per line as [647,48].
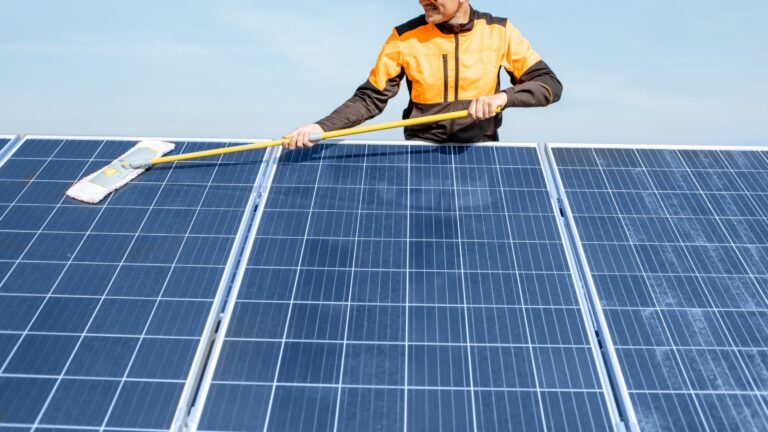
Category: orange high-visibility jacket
[445,67]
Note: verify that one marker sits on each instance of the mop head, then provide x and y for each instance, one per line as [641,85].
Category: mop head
[98,185]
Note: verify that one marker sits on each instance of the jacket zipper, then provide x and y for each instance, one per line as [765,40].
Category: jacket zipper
[456,77]
[445,77]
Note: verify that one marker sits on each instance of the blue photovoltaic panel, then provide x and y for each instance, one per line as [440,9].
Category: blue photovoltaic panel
[102,306]
[676,242]
[407,286]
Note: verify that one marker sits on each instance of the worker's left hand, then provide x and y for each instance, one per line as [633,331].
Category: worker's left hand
[485,106]
[299,137]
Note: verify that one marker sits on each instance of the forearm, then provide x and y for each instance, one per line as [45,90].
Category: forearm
[538,86]
[366,103]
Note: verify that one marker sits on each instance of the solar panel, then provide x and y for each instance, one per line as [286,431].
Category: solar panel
[675,242]
[102,307]
[406,287]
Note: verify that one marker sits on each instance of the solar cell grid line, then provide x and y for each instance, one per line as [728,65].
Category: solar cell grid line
[712,303]
[99,290]
[421,283]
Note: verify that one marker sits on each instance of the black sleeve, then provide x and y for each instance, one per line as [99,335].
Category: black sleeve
[538,86]
[367,102]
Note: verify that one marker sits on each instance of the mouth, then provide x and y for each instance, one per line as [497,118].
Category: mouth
[428,8]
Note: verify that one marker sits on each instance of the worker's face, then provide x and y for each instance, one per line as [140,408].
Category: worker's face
[438,11]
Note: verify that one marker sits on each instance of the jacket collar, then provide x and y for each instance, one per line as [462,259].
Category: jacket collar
[459,28]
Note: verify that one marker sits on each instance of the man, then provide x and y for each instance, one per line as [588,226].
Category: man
[450,58]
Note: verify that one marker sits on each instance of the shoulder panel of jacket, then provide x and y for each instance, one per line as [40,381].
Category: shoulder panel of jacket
[519,56]
[413,24]
[389,63]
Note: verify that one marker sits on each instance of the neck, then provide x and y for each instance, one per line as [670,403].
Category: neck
[462,16]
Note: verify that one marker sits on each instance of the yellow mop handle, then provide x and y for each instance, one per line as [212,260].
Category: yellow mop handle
[323,136]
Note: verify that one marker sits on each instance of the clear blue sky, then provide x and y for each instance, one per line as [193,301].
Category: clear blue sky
[679,71]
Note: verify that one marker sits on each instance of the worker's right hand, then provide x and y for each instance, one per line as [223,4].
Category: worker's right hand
[299,138]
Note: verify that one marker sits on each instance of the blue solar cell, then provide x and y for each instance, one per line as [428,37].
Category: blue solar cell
[18,311]
[84,279]
[167,221]
[678,277]
[158,358]
[376,323]
[24,218]
[14,244]
[271,284]
[23,398]
[319,322]
[437,324]
[41,354]
[445,410]
[53,247]
[377,286]
[370,409]
[386,361]
[122,316]
[135,194]
[438,366]
[72,218]
[236,407]
[227,196]
[7,343]
[10,190]
[239,356]
[310,363]
[517,410]
[139,281]
[198,282]
[64,314]
[216,222]
[44,192]
[320,285]
[104,248]
[502,367]
[31,278]
[38,148]
[305,408]
[61,170]
[205,250]
[80,402]
[289,197]
[76,149]
[22,170]
[119,220]
[384,277]
[148,249]
[380,254]
[432,287]
[332,224]
[182,318]
[258,321]
[145,405]
[103,356]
